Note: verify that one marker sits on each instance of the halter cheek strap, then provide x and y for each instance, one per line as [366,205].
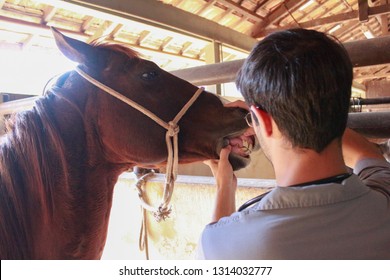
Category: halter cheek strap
[171,139]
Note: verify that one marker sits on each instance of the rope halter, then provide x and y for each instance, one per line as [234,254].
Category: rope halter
[171,138]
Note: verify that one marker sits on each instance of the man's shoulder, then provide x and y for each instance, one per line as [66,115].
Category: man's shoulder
[371,163]
[374,173]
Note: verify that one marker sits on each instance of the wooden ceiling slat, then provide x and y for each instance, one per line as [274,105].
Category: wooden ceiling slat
[334,19]
[363,10]
[288,6]
[363,53]
[243,17]
[159,14]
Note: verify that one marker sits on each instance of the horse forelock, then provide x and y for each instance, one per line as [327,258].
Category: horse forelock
[28,153]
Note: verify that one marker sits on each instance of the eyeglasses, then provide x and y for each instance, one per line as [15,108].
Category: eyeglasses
[248,119]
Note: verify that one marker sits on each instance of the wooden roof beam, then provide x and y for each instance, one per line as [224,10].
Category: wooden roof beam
[143,36]
[205,7]
[24,27]
[116,31]
[28,42]
[48,13]
[340,18]
[244,11]
[369,73]
[344,28]
[86,23]
[165,16]
[362,53]
[384,21]
[363,77]
[275,16]
[103,31]
[363,10]
[324,10]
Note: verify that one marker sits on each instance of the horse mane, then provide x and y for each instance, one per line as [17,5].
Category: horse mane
[32,161]
[118,48]
[34,170]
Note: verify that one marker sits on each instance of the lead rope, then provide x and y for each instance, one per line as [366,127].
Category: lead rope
[171,138]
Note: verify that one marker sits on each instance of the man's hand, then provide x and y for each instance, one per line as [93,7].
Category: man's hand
[237,103]
[225,202]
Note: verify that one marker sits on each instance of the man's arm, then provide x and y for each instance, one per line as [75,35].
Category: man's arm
[367,161]
[225,200]
[356,148]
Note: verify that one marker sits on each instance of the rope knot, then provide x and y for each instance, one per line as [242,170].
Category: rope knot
[173,129]
[162,213]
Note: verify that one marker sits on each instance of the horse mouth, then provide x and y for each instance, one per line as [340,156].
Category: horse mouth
[242,148]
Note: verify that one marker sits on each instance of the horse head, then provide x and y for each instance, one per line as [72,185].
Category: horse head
[126,135]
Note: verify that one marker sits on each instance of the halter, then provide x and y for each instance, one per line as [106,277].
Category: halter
[163,210]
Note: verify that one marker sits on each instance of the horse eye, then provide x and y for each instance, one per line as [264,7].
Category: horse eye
[149,75]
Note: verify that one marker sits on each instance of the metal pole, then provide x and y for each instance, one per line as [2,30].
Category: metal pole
[372,124]
[370,101]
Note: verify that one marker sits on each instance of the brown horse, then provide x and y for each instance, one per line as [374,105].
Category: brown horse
[60,160]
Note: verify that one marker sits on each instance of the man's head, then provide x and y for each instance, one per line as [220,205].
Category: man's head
[302,79]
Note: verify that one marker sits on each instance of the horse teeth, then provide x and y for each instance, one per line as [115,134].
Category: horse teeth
[246,147]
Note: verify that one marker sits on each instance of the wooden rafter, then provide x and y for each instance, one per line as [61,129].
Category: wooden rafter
[345,19]
[86,23]
[275,16]
[363,10]
[325,11]
[370,72]
[48,13]
[384,21]
[335,19]
[115,31]
[158,14]
[363,53]
[205,7]
[242,10]
[103,32]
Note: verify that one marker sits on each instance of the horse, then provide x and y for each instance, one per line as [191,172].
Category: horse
[60,160]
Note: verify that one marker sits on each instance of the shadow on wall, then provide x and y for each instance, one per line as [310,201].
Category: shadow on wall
[259,168]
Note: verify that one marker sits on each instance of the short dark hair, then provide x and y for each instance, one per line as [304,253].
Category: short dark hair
[303,79]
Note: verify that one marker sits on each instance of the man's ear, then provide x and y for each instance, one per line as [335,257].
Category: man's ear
[264,119]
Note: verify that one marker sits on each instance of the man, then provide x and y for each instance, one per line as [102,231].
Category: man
[297,86]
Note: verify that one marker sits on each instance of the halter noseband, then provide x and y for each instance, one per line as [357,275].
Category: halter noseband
[163,210]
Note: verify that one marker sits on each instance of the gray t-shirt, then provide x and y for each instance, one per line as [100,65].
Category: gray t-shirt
[350,220]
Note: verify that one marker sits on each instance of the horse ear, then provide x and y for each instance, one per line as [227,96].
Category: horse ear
[78,51]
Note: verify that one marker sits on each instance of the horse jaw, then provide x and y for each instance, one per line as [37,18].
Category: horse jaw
[242,147]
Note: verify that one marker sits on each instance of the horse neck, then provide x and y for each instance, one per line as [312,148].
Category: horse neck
[91,178]
[60,188]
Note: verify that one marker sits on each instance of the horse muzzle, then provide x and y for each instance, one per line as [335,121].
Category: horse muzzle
[242,147]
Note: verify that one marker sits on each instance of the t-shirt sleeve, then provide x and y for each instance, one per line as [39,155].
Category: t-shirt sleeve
[375,173]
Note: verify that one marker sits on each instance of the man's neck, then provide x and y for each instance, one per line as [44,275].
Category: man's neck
[297,166]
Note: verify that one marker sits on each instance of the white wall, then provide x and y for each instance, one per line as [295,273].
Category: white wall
[177,237]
